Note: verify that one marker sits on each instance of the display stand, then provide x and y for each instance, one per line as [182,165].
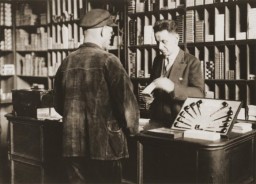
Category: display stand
[204,118]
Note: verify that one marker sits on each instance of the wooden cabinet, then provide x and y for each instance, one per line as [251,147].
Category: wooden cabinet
[183,160]
[7,64]
[35,148]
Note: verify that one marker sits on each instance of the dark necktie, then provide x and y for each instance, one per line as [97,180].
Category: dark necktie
[166,63]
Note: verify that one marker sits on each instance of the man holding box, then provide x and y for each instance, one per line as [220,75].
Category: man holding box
[175,76]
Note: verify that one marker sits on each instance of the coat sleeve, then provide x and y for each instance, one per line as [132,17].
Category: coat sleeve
[121,89]
[58,92]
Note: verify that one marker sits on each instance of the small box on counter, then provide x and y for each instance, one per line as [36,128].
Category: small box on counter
[26,102]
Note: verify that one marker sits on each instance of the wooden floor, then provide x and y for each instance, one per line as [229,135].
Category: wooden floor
[4,167]
[129,167]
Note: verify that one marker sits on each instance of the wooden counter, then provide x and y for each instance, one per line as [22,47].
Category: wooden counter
[35,156]
[35,148]
[184,160]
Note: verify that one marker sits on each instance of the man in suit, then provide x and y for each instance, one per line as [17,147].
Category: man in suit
[175,76]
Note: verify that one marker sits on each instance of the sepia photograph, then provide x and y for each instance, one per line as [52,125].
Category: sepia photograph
[127,91]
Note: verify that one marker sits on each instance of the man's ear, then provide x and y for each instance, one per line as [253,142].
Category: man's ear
[103,30]
[178,37]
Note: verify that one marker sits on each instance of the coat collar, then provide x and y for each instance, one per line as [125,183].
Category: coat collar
[89,44]
[178,67]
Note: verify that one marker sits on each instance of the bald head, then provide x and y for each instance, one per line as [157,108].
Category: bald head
[100,36]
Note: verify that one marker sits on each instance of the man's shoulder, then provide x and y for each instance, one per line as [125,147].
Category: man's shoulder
[111,57]
[97,51]
[190,58]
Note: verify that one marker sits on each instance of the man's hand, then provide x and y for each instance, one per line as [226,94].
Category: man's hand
[148,99]
[164,84]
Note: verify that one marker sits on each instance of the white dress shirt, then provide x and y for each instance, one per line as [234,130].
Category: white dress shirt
[171,58]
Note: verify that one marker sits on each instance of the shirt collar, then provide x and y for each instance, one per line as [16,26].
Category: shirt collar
[174,54]
[172,58]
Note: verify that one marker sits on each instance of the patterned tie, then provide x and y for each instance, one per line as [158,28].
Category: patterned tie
[166,63]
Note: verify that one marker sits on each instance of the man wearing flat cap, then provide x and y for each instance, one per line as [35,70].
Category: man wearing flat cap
[95,96]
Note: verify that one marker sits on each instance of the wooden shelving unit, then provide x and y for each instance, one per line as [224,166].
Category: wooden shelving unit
[41,33]
[7,57]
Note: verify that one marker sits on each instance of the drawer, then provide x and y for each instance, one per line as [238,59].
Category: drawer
[27,140]
[26,173]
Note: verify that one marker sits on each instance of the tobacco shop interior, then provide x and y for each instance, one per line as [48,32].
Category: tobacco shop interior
[35,37]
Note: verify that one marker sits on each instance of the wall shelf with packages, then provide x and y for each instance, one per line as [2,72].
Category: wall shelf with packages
[7,59]
[227,54]
[5,102]
[6,51]
[32,50]
[6,76]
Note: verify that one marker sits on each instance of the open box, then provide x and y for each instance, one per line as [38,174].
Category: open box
[207,115]
[202,118]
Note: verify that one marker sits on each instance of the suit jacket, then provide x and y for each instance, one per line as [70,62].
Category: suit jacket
[188,82]
[95,96]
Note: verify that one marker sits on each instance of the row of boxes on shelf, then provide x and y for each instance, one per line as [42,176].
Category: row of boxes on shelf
[6,39]
[26,16]
[202,2]
[65,10]
[65,36]
[137,6]
[6,68]
[5,14]
[141,29]
[31,65]
[207,24]
[216,69]
[31,41]
[5,96]
[215,64]
[32,14]
[62,37]
[34,65]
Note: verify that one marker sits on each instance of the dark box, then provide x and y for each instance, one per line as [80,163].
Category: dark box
[26,102]
[165,132]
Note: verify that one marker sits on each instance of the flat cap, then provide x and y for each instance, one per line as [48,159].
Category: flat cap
[97,18]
